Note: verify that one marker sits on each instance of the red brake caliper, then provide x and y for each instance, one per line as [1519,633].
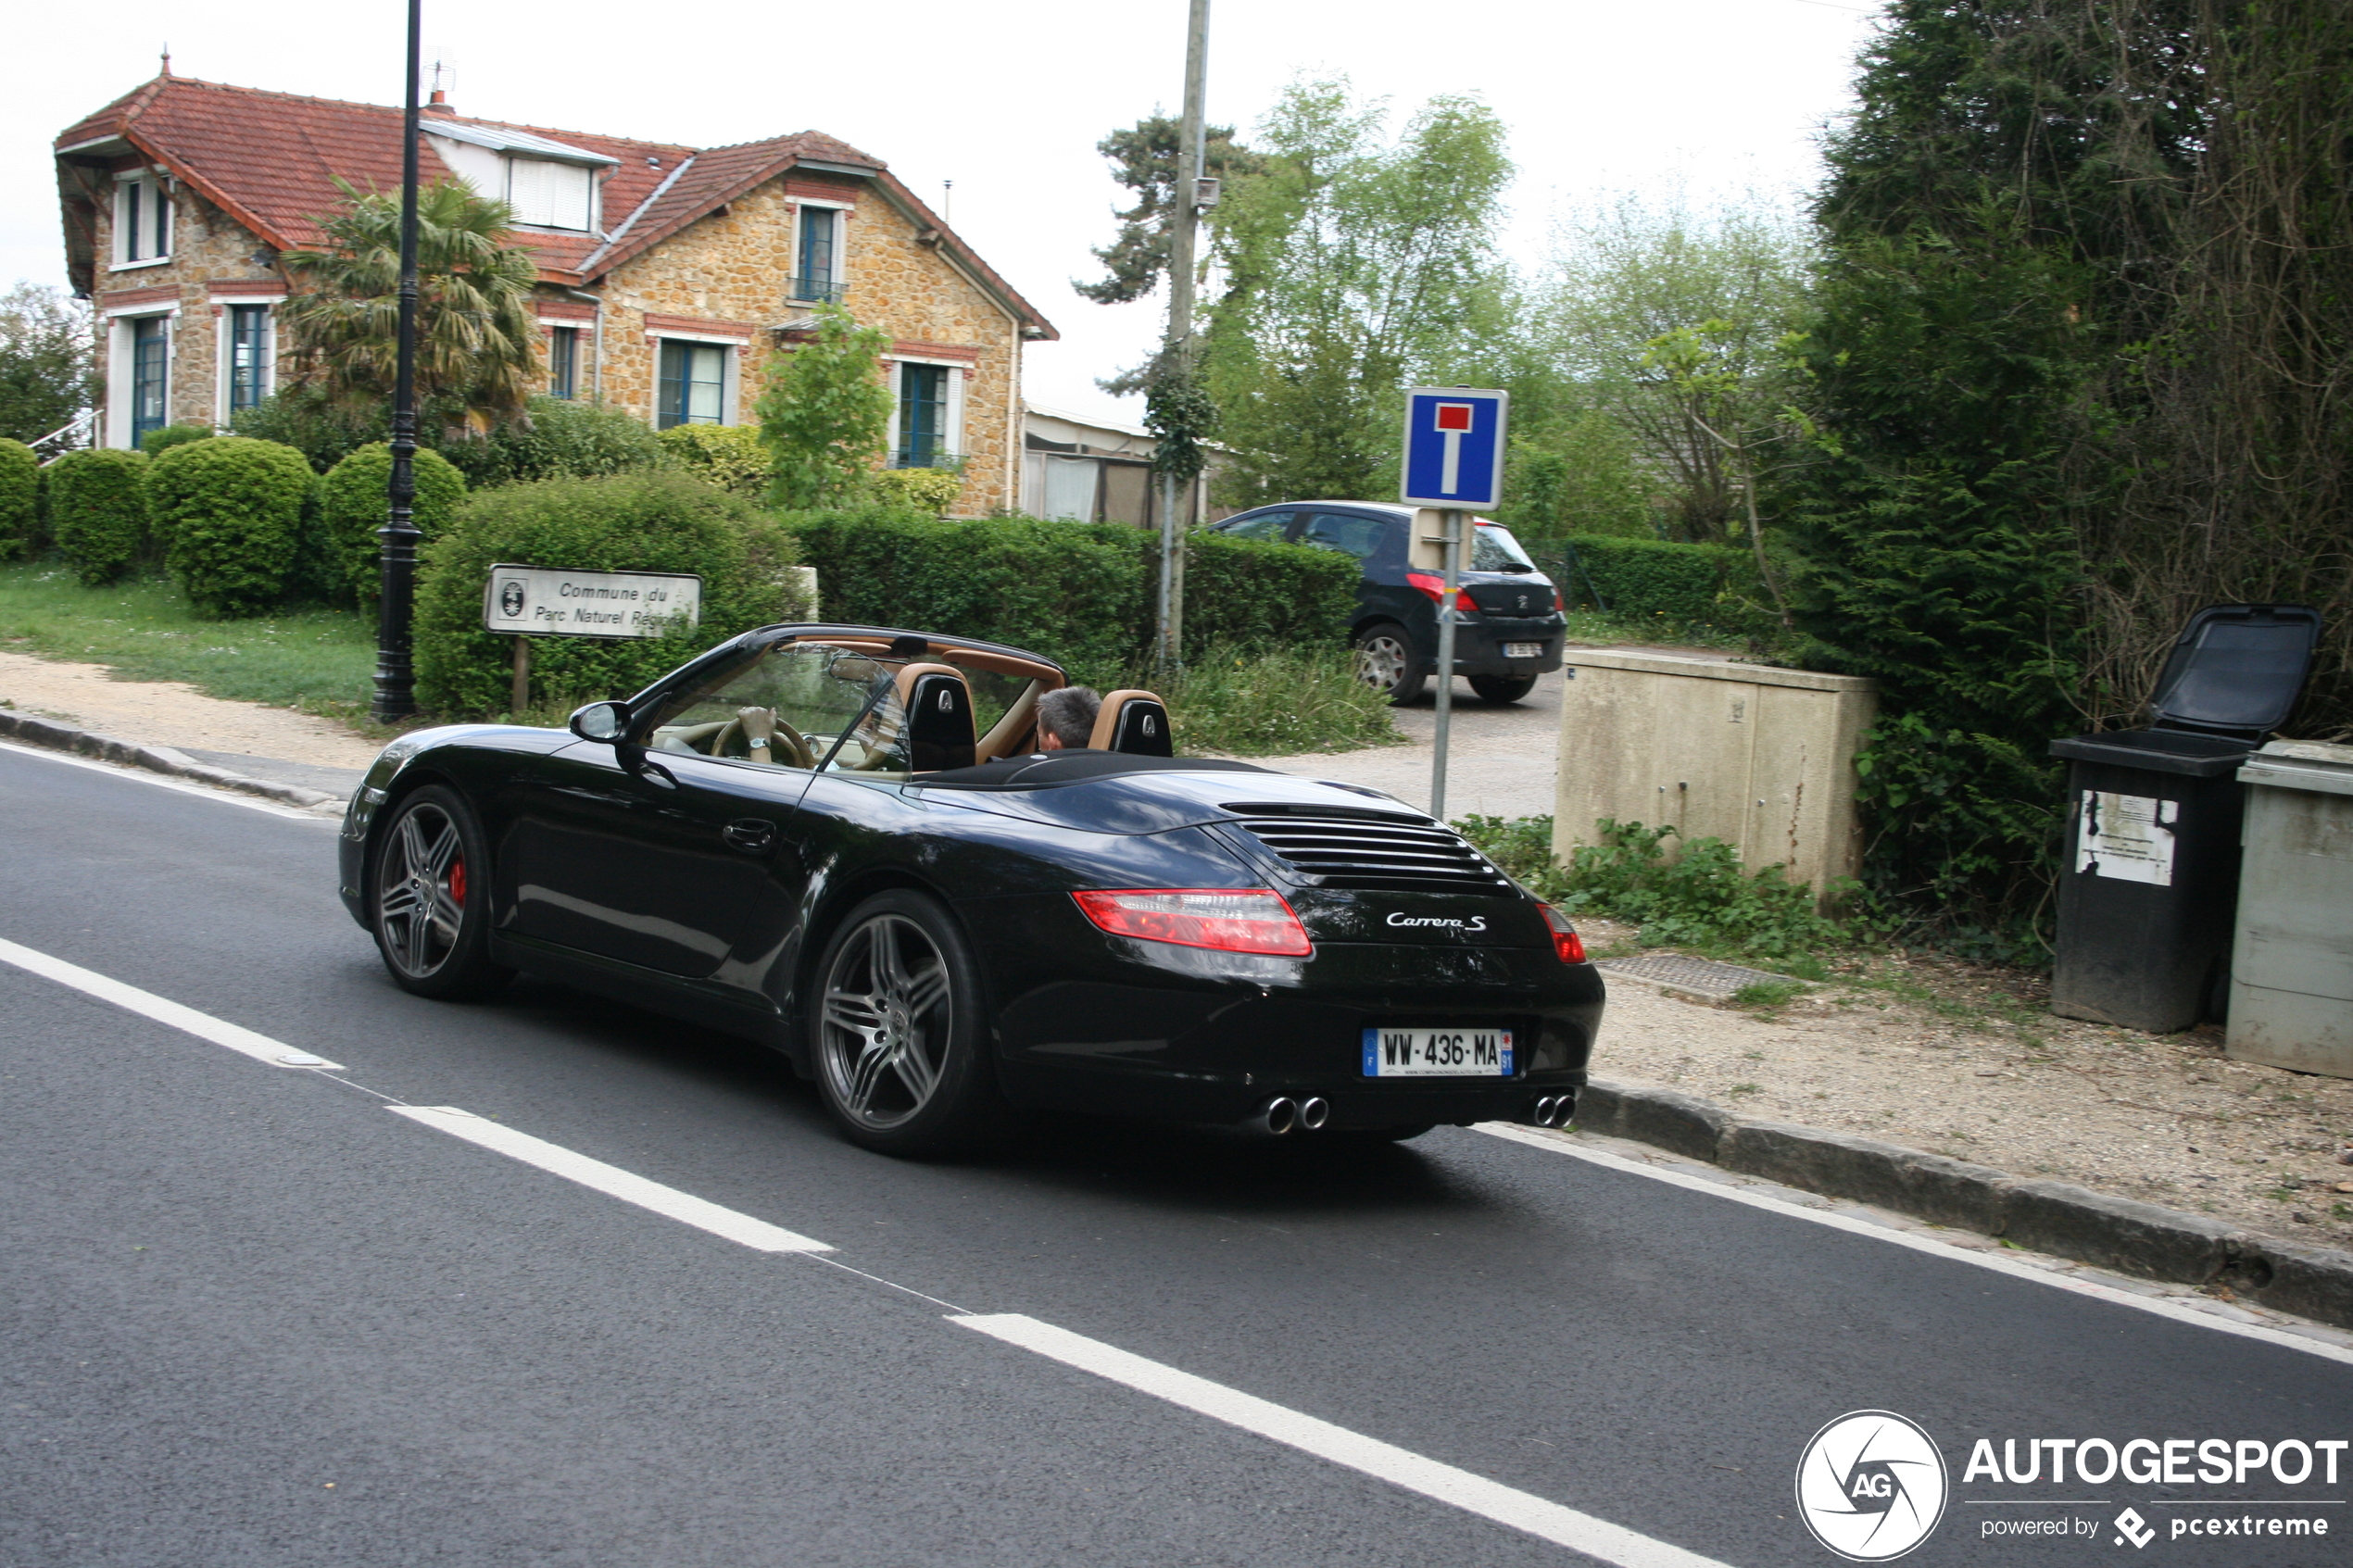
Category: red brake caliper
[458,883]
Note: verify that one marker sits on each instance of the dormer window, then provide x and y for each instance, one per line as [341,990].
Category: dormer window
[142,220]
[547,195]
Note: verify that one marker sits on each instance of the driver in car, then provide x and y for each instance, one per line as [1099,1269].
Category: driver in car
[1066,718]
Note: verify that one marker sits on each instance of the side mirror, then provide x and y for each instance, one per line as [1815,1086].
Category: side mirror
[605,721]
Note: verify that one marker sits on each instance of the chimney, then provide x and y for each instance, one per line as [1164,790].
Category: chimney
[439,105]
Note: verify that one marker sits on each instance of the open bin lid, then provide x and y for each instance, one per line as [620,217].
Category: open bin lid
[2237,670]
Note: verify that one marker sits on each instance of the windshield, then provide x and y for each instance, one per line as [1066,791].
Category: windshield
[1494,549]
[807,696]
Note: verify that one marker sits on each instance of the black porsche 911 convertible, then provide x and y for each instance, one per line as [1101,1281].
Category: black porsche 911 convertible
[838,840]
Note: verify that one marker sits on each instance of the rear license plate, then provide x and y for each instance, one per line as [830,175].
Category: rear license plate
[1523,650]
[1438,1053]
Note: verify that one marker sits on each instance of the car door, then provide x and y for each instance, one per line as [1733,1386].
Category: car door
[657,858]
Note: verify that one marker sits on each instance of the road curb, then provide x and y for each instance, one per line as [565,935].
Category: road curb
[33,731]
[2058,1218]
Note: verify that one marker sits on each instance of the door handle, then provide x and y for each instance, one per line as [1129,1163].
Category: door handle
[754,835]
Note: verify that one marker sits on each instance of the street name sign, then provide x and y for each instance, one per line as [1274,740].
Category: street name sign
[1454,447]
[538,601]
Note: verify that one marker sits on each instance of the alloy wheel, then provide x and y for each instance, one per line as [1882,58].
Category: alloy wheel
[420,891]
[886,1022]
[1382,660]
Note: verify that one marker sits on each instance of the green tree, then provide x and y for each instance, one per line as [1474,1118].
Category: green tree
[826,414]
[46,376]
[1352,264]
[1144,158]
[477,337]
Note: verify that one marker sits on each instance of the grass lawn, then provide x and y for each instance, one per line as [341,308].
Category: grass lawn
[318,661]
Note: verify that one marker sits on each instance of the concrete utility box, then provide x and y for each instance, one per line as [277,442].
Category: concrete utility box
[1762,759]
[2292,963]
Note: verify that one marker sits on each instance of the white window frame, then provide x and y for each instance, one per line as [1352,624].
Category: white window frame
[959,372]
[119,336]
[731,370]
[221,348]
[843,212]
[159,185]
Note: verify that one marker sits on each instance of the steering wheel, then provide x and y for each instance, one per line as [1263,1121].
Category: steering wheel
[788,748]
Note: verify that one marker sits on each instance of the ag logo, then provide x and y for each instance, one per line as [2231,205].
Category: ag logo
[511,598]
[1870,1485]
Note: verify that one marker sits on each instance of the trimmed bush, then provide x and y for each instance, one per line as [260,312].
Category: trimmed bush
[1644,577]
[229,512]
[155,442]
[662,520]
[97,507]
[19,500]
[927,490]
[1081,592]
[353,503]
[728,456]
[567,439]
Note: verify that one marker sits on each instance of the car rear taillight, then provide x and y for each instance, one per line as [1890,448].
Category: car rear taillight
[1568,945]
[1433,585]
[1228,920]
[1560,606]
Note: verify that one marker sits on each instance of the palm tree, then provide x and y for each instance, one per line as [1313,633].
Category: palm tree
[477,332]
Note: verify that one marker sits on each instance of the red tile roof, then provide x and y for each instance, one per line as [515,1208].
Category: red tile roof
[271,161]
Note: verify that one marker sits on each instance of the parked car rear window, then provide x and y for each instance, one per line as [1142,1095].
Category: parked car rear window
[1494,549]
[1358,536]
[1268,528]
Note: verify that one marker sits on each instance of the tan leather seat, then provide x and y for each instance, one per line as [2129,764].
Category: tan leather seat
[1133,721]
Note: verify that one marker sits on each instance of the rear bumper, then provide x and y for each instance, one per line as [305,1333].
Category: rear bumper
[1479,643]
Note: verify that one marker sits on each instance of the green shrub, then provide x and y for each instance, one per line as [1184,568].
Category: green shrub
[1264,701]
[97,507]
[927,490]
[155,442]
[728,456]
[230,513]
[1078,592]
[1704,899]
[19,500]
[566,439]
[1247,592]
[1645,578]
[301,418]
[661,520]
[353,503]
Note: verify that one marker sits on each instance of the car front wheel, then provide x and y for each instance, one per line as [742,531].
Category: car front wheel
[899,1029]
[431,899]
[1385,662]
[1503,688]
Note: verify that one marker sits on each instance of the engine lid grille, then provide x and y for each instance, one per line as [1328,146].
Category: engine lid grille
[1374,850]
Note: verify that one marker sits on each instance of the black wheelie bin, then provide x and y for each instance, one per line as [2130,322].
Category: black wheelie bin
[2150,881]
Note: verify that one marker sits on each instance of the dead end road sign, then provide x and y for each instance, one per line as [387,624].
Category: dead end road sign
[1454,447]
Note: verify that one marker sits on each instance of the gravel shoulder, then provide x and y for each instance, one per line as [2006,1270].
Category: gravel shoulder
[174,714]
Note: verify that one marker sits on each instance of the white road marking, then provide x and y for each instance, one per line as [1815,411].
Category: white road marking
[202,791]
[204,1027]
[1385,1461]
[1919,1243]
[611,1180]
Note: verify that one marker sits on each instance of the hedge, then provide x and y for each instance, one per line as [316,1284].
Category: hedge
[659,520]
[565,439]
[230,511]
[97,507]
[1078,592]
[155,442]
[1643,577]
[728,456]
[354,500]
[19,500]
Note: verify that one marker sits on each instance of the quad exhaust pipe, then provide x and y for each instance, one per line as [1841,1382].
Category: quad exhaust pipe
[1553,1110]
[1284,1115]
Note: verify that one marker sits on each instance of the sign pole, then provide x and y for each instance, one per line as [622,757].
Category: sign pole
[1446,662]
[396,689]
[520,698]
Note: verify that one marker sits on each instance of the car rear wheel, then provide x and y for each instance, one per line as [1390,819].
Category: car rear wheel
[431,899]
[1503,688]
[1385,662]
[899,1030]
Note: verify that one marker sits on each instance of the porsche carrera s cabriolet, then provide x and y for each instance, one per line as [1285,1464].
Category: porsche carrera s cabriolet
[840,841]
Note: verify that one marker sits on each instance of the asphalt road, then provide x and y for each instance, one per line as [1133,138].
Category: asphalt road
[252,1318]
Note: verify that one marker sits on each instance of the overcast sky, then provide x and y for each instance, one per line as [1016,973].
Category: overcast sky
[1005,100]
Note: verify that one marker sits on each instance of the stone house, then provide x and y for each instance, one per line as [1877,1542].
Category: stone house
[669,276]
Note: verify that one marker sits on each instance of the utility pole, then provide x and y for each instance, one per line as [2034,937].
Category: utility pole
[397,556]
[1177,351]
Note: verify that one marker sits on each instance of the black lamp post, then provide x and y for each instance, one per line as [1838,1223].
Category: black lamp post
[396,690]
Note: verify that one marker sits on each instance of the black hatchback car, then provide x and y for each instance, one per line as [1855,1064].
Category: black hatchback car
[1509,615]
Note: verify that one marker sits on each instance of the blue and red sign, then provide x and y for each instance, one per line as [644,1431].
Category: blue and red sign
[1454,447]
